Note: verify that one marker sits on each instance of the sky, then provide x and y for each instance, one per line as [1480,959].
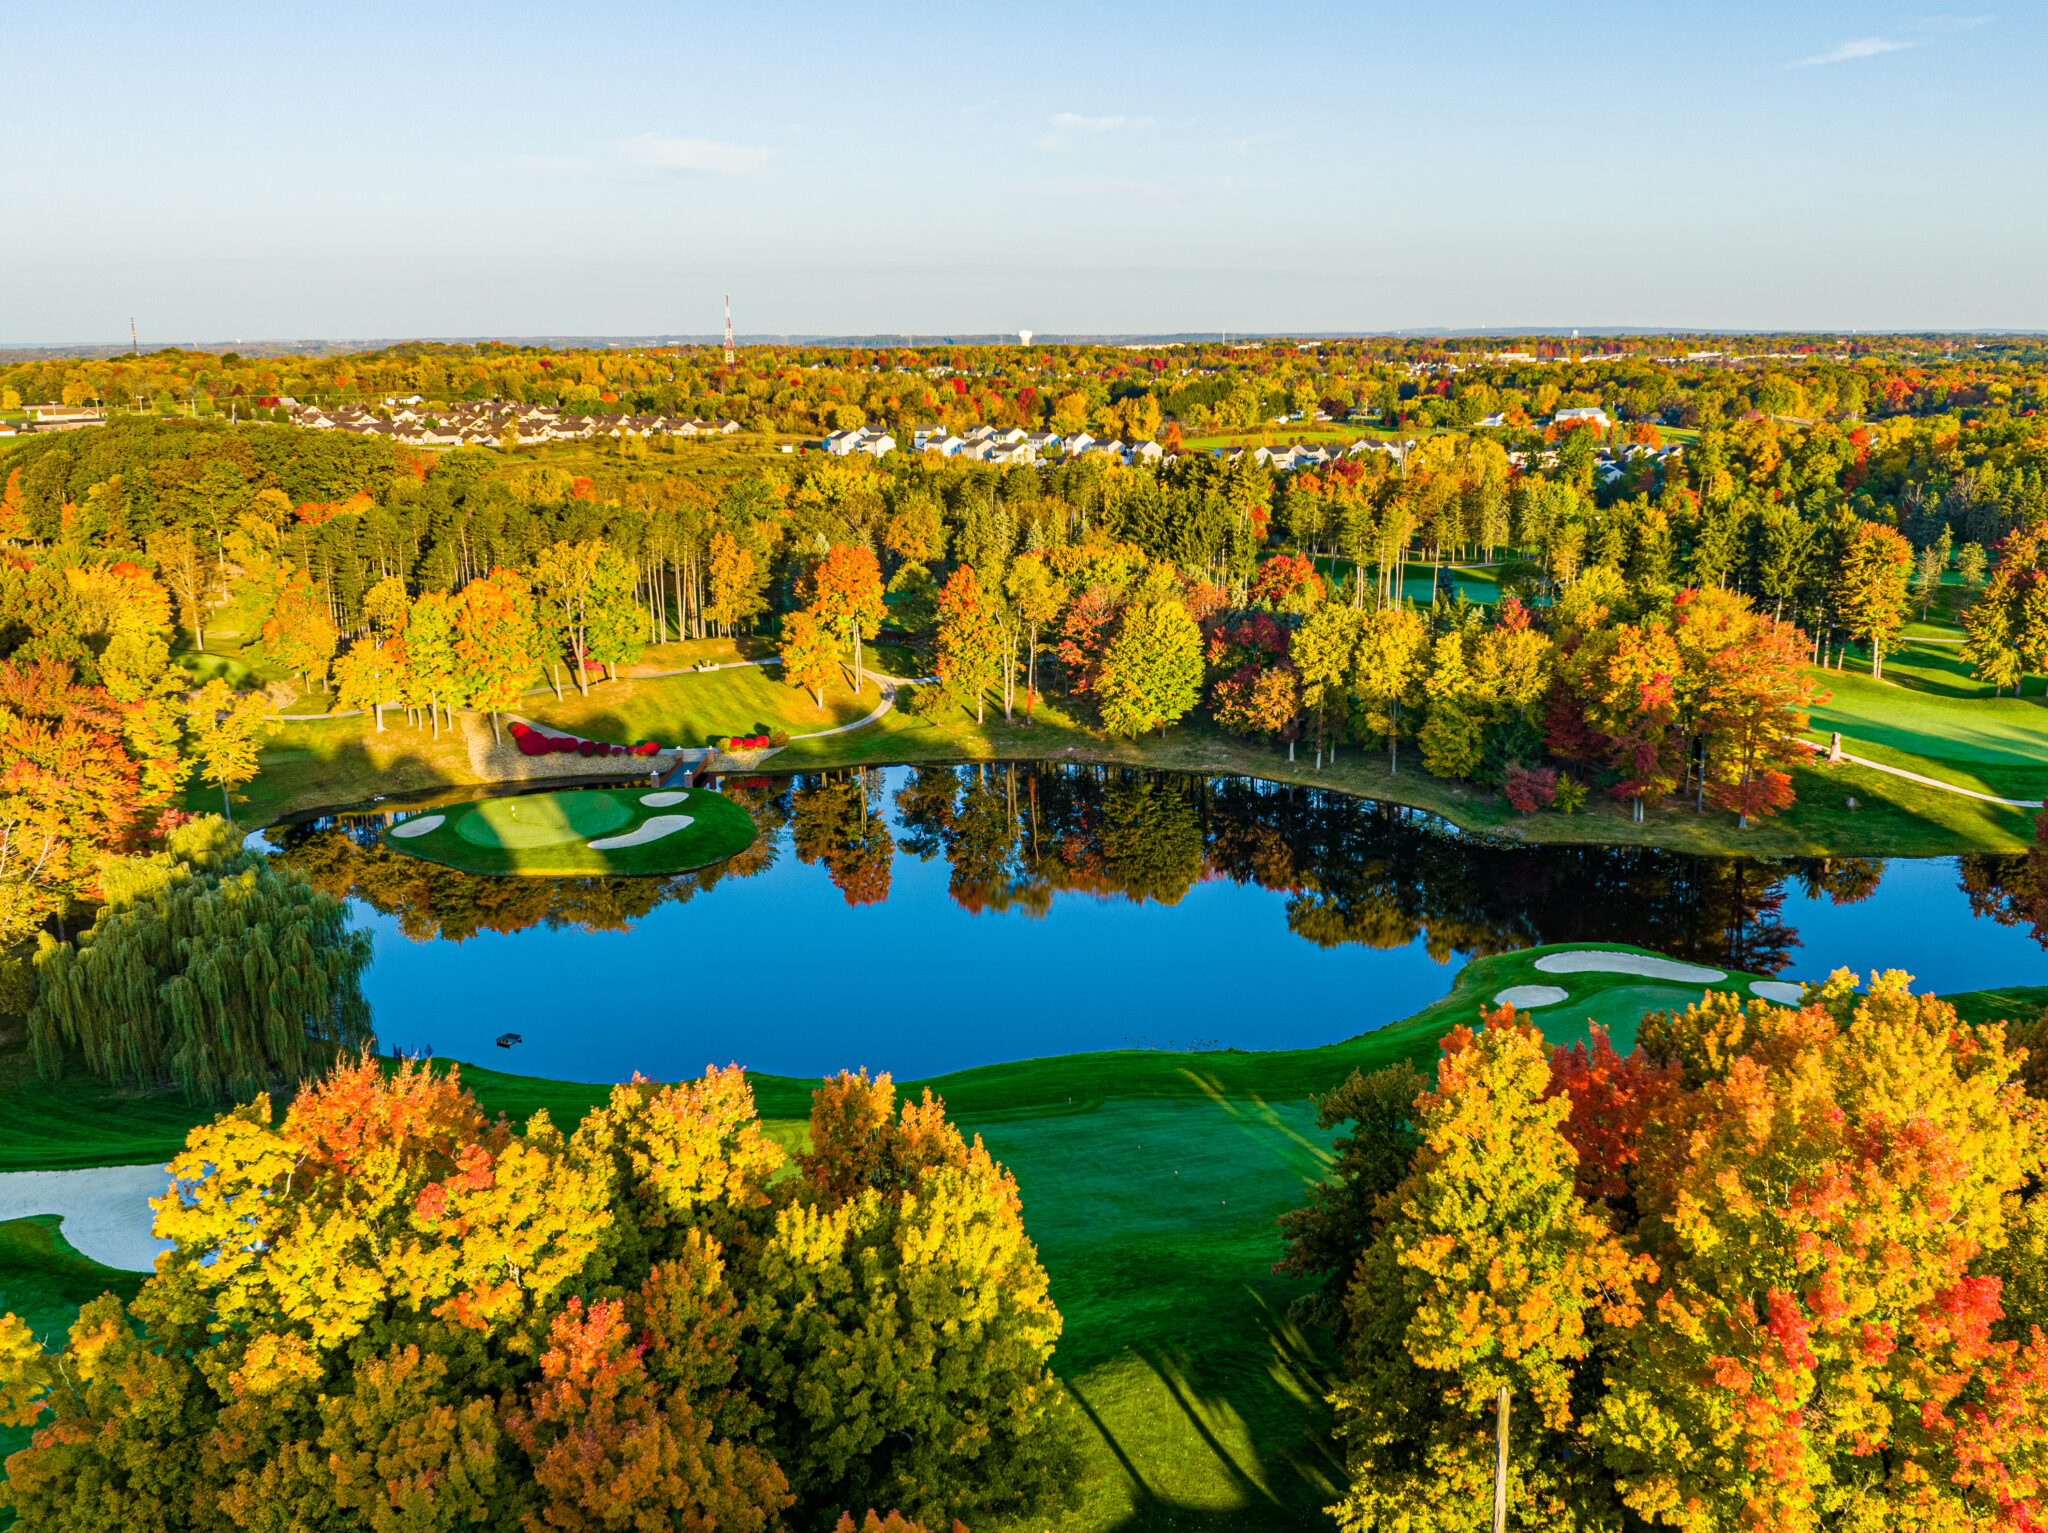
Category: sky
[301,171]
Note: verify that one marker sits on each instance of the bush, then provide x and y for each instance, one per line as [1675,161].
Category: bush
[1530,788]
[1571,795]
[778,738]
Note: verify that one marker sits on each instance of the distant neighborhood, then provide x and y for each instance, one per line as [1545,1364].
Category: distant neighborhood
[486,425]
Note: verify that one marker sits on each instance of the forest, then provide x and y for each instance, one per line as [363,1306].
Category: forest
[1797,1249]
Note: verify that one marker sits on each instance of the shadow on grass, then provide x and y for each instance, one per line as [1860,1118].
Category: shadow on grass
[1216,1437]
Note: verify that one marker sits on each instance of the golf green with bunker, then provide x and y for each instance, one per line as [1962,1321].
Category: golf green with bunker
[617,831]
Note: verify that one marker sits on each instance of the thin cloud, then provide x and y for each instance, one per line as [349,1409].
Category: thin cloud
[1069,126]
[701,156]
[1855,48]
[1929,27]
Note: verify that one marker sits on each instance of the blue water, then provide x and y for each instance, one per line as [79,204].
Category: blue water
[778,972]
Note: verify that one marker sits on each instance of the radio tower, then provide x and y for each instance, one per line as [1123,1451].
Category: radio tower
[729,354]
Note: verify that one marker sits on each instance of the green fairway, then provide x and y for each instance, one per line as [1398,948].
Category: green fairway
[1933,710]
[620,831]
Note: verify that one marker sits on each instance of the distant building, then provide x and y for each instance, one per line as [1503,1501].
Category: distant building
[1591,413]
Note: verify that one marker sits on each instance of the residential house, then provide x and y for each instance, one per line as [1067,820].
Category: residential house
[1591,413]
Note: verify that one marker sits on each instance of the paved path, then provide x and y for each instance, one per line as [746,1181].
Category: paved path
[1946,787]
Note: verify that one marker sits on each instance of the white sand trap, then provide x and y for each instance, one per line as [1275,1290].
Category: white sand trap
[1585,962]
[1784,992]
[1529,997]
[653,830]
[105,1210]
[663,800]
[421,826]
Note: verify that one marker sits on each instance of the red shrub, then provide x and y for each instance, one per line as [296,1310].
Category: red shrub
[1531,788]
[532,742]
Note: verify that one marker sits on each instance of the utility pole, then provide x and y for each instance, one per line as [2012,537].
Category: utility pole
[1500,1463]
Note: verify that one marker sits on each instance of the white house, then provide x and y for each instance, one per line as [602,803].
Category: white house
[877,444]
[1077,444]
[1145,452]
[944,443]
[919,435]
[1591,413]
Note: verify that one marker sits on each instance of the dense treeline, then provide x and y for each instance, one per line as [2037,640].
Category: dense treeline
[1672,381]
[1668,607]
[387,1311]
[1775,1269]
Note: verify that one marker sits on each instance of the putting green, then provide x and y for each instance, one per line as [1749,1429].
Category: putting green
[578,833]
[546,819]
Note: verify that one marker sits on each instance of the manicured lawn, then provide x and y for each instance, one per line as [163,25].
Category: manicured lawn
[1927,705]
[578,833]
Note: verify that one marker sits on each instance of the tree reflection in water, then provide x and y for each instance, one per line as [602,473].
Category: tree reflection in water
[1016,837]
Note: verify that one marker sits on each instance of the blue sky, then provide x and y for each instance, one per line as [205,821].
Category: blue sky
[446,169]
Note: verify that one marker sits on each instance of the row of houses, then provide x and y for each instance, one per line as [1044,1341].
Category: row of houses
[485,425]
[994,444]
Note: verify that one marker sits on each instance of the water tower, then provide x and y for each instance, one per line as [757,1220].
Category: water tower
[1023,337]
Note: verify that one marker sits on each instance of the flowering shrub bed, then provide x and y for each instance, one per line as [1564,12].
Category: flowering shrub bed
[532,742]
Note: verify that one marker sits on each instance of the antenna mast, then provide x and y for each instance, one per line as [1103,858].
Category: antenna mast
[134,345]
[729,357]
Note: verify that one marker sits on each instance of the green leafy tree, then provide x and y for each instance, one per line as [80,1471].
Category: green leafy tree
[1152,670]
[225,729]
[1870,587]
[613,621]
[1326,1237]
[1387,672]
[1036,598]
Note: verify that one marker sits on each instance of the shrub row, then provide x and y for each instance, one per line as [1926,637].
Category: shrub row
[532,742]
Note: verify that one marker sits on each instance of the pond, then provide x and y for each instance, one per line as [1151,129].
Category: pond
[922,920]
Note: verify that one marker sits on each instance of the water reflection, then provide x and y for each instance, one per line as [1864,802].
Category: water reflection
[1019,838]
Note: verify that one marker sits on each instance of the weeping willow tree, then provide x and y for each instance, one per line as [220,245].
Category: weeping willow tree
[228,982]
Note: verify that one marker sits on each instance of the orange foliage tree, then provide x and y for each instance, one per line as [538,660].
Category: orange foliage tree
[389,1310]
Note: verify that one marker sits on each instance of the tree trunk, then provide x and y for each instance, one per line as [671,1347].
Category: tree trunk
[555,678]
[1030,674]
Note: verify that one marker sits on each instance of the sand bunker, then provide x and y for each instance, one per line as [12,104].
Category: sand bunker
[1784,992]
[663,800]
[1529,997]
[653,830]
[106,1210]
[1587,962]
[421,826]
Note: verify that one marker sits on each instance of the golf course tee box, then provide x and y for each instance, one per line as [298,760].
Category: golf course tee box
[633,831]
